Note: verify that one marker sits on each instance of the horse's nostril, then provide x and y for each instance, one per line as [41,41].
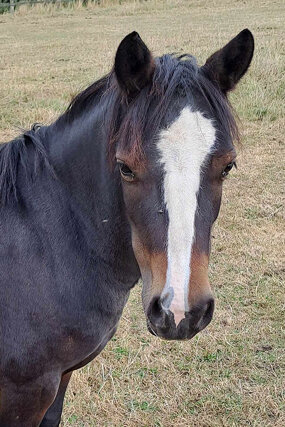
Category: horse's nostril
[157,315]
[155,309]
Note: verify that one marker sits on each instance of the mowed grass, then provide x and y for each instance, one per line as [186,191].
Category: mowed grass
[231,374]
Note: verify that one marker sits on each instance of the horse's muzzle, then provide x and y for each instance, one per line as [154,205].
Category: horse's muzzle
[161,322]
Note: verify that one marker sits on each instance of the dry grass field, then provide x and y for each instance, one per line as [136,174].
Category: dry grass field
[232,374]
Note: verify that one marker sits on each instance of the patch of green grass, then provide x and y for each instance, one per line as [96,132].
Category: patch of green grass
[120,352]
[72,419]
[142,406]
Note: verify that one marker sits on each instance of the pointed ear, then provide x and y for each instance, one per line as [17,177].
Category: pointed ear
[134,64]
[229,64]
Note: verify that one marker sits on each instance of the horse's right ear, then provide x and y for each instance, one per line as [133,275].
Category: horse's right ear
[134,64]
[227,66]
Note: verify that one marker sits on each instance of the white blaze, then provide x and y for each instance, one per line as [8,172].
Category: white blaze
[183,148]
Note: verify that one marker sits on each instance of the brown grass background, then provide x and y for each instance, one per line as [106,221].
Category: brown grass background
[232,374]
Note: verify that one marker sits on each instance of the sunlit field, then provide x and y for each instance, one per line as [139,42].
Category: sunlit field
[231,374]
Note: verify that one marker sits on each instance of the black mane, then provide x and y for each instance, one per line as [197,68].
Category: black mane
[85,99]
[12,155]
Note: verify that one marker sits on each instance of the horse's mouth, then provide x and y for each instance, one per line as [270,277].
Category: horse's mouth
[171,334]
[188,327]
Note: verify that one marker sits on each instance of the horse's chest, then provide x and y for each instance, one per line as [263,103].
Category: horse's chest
[86,324]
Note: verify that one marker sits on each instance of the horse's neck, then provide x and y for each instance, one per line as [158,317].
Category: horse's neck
[79,155]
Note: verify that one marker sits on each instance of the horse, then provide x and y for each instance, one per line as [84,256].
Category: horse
[125,184]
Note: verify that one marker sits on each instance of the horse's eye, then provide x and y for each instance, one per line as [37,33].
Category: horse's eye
[126,173]
[228,168]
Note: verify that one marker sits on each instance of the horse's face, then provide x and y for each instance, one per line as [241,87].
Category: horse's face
[173,197]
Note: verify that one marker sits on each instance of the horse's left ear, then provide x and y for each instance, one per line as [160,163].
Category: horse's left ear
[229,64]
[134,64]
